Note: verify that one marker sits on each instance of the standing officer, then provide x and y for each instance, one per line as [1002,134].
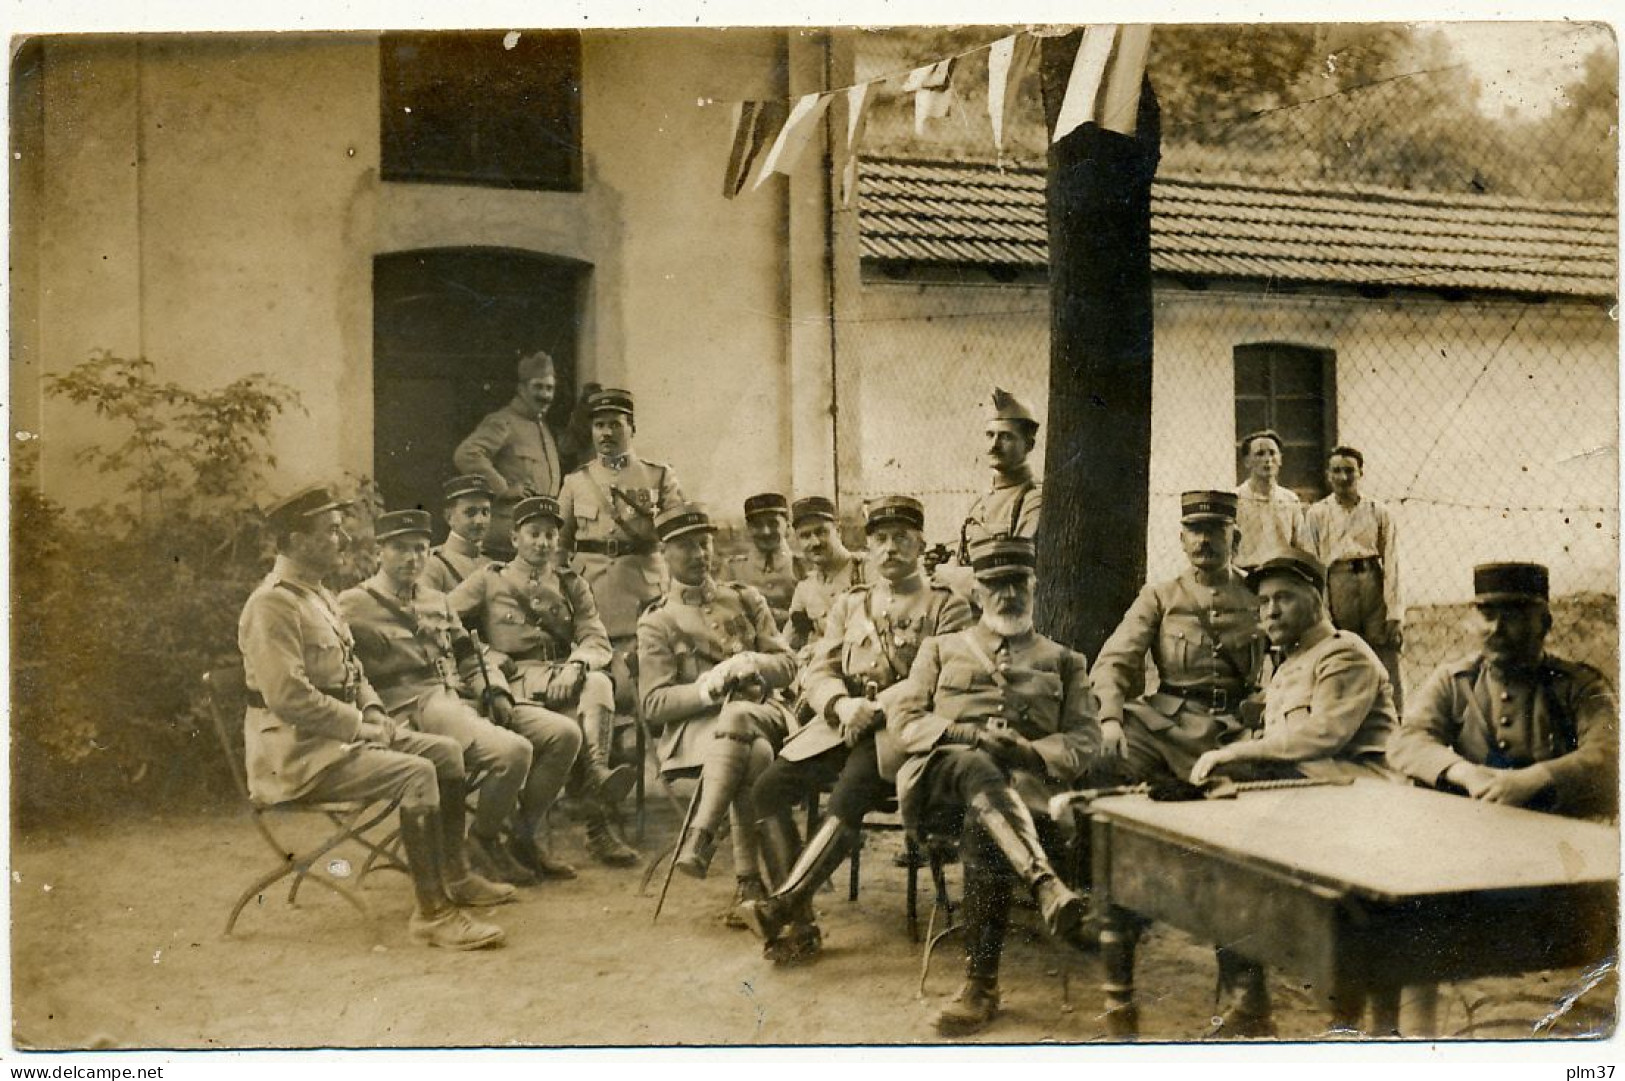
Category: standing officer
[1011,507]
[1201,630]
[513,448]
[1513,723]
[1354,538]
[541,620]
[873,635]
[833,570]
[996,718]
[609,507]
[420,660]
[466,506]
[1270,517]
[770,566]
[709,660]
[315,730]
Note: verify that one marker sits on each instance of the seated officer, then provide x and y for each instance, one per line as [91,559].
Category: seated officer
[831,570]
[872,637]
[996,718]
[770,566]
[419,659]
[1201,630]
[1513,723]
[540,619]
[315,730]
[709,660]
[467,510]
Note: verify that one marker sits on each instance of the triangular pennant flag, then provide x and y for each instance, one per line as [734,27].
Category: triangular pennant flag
[1006,61]
[793,138]
[755,123]
[1106,78]
[858,99]
[932,91]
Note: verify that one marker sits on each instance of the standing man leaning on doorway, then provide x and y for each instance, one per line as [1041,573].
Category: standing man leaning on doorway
[514,449]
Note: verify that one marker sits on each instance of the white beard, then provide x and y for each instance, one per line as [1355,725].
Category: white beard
[1008,626]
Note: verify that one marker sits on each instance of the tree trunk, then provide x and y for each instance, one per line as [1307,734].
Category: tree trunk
[1091,549]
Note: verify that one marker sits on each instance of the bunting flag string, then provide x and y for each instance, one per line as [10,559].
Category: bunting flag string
[1103,88]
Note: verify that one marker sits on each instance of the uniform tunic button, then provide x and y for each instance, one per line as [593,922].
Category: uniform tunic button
[1504,744]
[1506,722]
[1506,696]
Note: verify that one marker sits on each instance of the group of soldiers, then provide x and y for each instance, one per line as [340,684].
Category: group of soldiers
[773,676]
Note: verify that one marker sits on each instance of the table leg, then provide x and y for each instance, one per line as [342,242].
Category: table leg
[1119,935]
[1384,1011]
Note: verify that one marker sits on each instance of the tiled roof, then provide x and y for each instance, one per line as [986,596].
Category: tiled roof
[968,213]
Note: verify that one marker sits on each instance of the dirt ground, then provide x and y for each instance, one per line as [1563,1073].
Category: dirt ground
[117,943]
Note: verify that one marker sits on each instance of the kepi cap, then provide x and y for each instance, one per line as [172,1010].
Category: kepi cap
[465,484]
[536,506]
[1207,506]
[812,506]
[1294,562]
[610,400]
[1003,557]
[1511,583]
[895,508]
[766,503]
[683,519]
[292,512]
[400,523]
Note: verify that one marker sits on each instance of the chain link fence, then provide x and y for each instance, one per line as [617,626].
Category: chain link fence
[1387,262]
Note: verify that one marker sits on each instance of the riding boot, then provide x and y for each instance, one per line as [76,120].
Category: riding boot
[599,783]
[602,842]
[463,886]
[987,916]
[532,846]
[724,771]
[792,900]
[435,920]
[1011,827]
[780,844]
[1242,1009]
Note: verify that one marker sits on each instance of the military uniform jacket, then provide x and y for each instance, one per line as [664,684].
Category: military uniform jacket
[298,653]
[615,509]
[683,636]
[512,448]
[1563,714]
[411,647]
[534,616]
[873,635]
[1329,707]
[452,562]
[1010,509]
[809,608]
[1039,689]
[775,577]
[1200,639]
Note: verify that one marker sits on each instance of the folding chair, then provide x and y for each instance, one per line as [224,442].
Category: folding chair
[350,821]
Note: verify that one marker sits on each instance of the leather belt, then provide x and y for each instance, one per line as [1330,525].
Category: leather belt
[545,652]
[615,548]
[1358,566]
[1212,699]
[257,700]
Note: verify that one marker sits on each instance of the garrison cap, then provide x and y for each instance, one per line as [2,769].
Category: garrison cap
[895,508]
[683,519]
[1012,410]
[812,506]
[610,400]
[1511,583]
[400,523]
[766,503]
[536,506]
[535,365]
[295,511]
[465,484]
[1293,562]
[1003,557]
[1207,506]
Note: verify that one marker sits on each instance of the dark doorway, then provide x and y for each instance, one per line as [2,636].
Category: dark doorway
[1292,389]
[449,325]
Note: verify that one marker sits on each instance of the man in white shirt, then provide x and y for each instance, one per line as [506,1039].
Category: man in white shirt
[1269,516]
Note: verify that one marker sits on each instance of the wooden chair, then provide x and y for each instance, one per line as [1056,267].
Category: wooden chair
[348,822]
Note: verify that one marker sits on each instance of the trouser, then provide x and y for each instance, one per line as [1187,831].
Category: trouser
[411,769]
[503,758]
[555,741]
[1152,756]
[1356,604]
[854,772]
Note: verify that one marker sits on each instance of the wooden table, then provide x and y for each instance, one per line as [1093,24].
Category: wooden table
[1362,889]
